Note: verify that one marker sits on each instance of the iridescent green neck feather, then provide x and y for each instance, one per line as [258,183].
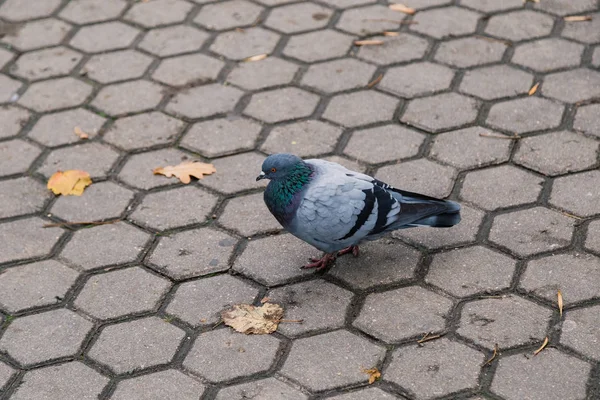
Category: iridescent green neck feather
[280,193]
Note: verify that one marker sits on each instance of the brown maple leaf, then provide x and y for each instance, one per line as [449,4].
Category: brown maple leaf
[186,170]
[248,319]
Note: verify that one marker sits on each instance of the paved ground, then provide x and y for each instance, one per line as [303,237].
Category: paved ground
[128,310]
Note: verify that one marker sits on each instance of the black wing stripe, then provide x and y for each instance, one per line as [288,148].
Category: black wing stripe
[364,214]
[385,202]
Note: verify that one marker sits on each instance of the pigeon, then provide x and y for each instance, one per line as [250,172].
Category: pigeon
[335,209]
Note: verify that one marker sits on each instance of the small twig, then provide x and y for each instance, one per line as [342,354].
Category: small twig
[427,338]
[392,20]
[566,214]
[535,353]
[492,136]
[296,321]
[112,221]
[560,302]
[489,361]
[375,81]
[217,324]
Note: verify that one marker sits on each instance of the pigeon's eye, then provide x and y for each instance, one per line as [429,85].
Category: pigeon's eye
[273,169]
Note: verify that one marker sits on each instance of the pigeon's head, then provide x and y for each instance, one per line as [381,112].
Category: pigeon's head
[279,166]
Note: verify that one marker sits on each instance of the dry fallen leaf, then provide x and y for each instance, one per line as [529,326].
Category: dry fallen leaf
[578,18]
[533,89]
[257,57]
[264,300]
[248,319]
[82,135]
[402,8]
[372,42]
[71,182]
[535,353]
[390,33]
[186,170]
[374,374]
[560,302]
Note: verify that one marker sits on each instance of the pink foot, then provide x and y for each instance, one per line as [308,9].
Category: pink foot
[320,263]
[349,249]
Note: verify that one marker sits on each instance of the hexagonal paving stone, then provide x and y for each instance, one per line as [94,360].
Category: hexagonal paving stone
[519,377]
[204,101]
[193,253]
[58,128]
[34,285]
[421,176]
[69,381]
[340,355]
[578,193]
[117,66]
[200,302]
[228,14]
[136,171]
[370,393]
[12,120]
[360,108]
[6,374]
[572,86]
[425,78]
[489,6]
[593,238]
[444,22]
[399,314]
[281,104]
[306,138]
[87,11]
[100,201]
[239,45]
[468,52]
[128,97]
[318,45]
[173,40]
[520,25]
[130,346]
[368,20]
[104,37]
[5,57]
[24,239]
[269,72]
[589,32]
[431,371]
[471,270]
[22,10]
[122,292]
[275,259]
[113,244]
[525,115]
[499,187]
[160,12]
[596,57]
[338,75]
[298,17]
[143,130]
[236,173]
[221,136]
[580,331]
[351,165]
[93,157]
[37,34]
[548,54]
[494,82]
[8,88]
[159,385]
[532,231]
[508,322]
[191,69]
[22,196]
[306,301]
[466,148]
[572,7]
[44,337]
[269,388]
[16,156]
[402,48]
[248,216]
[440,112]
[47,63]
[403,143]
[55,94]
[587,119]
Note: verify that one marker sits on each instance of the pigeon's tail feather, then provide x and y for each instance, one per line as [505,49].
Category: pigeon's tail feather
[436,213]
[445,220]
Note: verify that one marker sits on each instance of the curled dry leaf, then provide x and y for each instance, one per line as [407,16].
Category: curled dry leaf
[257,57]
[79,132]
[186,170]
[248,319]
[374,374]
[402,8]
[71,182]
[578,18]
[542,347]
[372,42]
[560,301]
[533,89]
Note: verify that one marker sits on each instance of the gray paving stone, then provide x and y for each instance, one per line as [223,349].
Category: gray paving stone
[305,139]
[380,263]
[169,384]
[248,216]
[275,260]
[265,2]
[22,10]
[360,108]
[338,75]
[201,301]
[368,20]
[351,165]
[587,119]
[525,115]
[104,37]
[561,8]
[444,22]
[137,171]
[421,4]
[548,54]
[494,82]
[87,11]
[466,148]
[489,6]
[95,158]
[8,88]
[118,293]
[12,120]
[6,374]
[400,143]
[223,136]
[58,128]
[467,271]
[318,45]
[306,301]
[223,355]
[266,389]
[69,381]
[239,45]
[204,101]
[440,112]
[47,336]
[340,355]
[520,25]
[188,70]
[587,32]
[431,371]
[158,12]
[25,239]
[34,285]
[519,377]
[134,345]
[37,34]
[281,104]
[236,173]
[421,176]
[596,57]
[572,86]
[5,57]
[143,130]
[508,322]
[593,237]
[46,63]
[579,331]
[298,17]
[173,40]
[55,94]
[128,97]
[228,14]
[578,193]
[193,253]
[370,393]
[399,314]
[16,157]
[117,66]
[341,4]
[395,49]
[469,52]
[262,74]
[425,78]
[113,244]
[532,231]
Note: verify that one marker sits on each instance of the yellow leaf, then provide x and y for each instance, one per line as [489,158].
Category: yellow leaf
[560,302]
[533,89]
[535,353]
[368,42]
[374,374]
[402,8]
[71,182]
[248,319]
[578,18]
[79,132]
[186,170]
[257,57]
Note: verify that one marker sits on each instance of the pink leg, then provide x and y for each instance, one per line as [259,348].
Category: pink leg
[349,249]
[320,263]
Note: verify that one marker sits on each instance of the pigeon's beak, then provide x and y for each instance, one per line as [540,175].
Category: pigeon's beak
[261,176]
